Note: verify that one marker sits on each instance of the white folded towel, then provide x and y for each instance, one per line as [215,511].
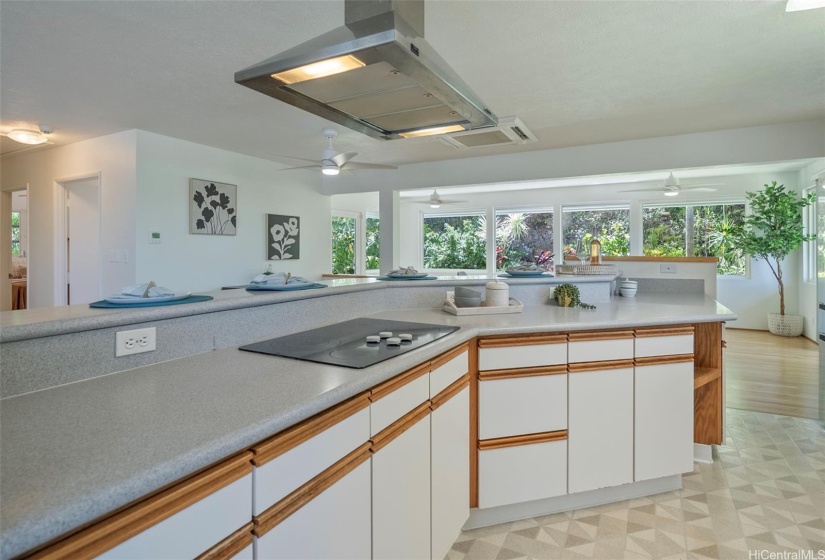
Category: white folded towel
[147,290]
[408,271]
[278,279]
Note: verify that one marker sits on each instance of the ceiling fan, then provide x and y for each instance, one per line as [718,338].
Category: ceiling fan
[671,187]
[435,200]
[332,162]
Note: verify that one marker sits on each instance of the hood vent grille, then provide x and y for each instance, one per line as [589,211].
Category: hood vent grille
[510,130]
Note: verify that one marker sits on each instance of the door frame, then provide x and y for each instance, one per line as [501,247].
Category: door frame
[5,239]
[60,232]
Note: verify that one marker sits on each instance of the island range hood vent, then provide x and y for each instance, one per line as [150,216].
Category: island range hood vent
[510,131]
[375,75]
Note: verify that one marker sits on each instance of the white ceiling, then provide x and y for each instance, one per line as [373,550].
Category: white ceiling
[575,72]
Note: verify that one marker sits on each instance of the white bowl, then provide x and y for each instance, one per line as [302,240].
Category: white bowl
[628,292]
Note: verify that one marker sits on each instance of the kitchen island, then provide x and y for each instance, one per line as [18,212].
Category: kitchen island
[75,453]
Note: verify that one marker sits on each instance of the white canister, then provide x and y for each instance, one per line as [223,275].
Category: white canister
[498,294]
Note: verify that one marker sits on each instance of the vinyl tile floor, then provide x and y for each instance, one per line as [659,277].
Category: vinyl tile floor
[764,493]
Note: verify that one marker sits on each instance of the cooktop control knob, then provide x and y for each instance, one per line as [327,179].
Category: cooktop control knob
[393,341]
[405,337]
[373,338]
[385,334]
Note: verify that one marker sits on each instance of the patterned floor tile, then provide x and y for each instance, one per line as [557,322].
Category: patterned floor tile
[765,491]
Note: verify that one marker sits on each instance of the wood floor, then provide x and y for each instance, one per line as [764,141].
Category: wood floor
[774,374]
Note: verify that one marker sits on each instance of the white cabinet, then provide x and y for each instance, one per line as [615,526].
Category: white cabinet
[522,352]
[511,406]
[600,430]
[600,346]
[334,524]
[664,341]
[664,419]
[445,374]
[400,496]
[391,400]
[522,472]
[450,456]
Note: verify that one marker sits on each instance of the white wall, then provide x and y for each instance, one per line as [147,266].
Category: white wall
[357,202]
[751,298]
[808,300]
[112,156]
[192,262]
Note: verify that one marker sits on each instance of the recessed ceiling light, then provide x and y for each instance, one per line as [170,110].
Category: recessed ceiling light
[799,5]
[26,136]
[432,131]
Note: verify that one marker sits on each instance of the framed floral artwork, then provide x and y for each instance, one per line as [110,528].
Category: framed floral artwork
[212,208]
[283,237]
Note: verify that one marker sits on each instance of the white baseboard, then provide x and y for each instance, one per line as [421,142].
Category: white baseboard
[525,510]
[702,453]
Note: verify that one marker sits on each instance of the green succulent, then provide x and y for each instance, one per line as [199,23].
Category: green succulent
[567,295]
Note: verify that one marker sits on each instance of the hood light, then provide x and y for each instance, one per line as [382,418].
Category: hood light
[321,69]
[28,136]
[330,169]
[799,5]
[432,131]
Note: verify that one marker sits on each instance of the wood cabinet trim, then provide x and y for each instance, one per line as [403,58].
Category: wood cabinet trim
[658,360]
[597,366]
[664,331]
[452,390]
[513,441]
[385,436]
[298,498]
[599,335]
[292,437]
[703,376]
[120,527]
[230,546]
[526,340]
[383,389]
[439,361]
[473,373]
[490,375]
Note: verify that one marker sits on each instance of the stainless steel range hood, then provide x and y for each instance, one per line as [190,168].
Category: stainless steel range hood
[397,86]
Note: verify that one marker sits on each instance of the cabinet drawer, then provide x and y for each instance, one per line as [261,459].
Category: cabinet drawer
[600,350]
[664,345]
[276,478]
[522,405]
[521,353]
[395,404]
[442,376]
[522,473]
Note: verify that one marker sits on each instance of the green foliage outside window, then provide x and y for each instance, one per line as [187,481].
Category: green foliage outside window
[611,227]
[455,242]
[15,234]
[522,237]
[343,245]
[373,244]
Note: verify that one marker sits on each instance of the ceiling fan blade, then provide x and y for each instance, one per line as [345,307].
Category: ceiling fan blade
[301,167]
[703,189]
[656,189]
[342,158]
[358,165]
[299,159]
[453,201]
[695,185]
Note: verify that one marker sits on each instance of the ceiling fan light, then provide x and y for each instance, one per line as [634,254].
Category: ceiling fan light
[434,205]
[27,136]
[671,193]
[330,169]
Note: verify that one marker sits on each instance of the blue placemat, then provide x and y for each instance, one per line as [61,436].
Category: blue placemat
[391,279]
[285,289]
[505,275]
[102,304]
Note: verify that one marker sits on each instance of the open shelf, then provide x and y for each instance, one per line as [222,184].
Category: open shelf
[704,375]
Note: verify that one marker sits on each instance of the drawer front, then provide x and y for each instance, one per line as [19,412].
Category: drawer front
[523,405]
[245,554]
[280,476]
[522,473]
[600,350]
[393,406]
[533,355]
[664,345]
[195,529]
[443,376]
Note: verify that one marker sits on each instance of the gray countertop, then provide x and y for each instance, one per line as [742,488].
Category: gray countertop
[73,453]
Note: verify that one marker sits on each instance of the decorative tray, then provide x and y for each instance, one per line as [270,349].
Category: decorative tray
[587,269]
[449,306]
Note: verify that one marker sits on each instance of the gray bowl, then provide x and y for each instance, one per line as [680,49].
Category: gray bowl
[468,301]
[461,292]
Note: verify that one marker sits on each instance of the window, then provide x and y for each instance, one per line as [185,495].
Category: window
[455,241]
[809,249]
[698,230]
[15,234]
[373,243]
[523,237]
[343,244]
[609,224]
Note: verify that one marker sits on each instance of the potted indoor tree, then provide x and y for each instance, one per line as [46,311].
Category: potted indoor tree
[771,232]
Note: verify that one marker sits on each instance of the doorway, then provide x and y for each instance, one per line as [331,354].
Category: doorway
[77,266]
[14,256]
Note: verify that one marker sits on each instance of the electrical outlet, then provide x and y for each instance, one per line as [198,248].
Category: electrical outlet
[667,268]
[135,342]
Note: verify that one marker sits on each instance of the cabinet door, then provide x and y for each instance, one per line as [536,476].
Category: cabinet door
[600,437]
[522,405]
[334,524]
[450,447]
[664,420]
[401,496]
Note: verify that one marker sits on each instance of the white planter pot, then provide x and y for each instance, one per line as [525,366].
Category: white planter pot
[785,325]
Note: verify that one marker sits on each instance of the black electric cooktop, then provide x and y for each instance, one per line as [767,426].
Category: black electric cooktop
[344,344]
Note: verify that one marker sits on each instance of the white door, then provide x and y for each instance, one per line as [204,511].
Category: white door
[83,240]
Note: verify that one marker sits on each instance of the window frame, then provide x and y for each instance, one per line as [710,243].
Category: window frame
[357,216]
[369,214]
[469,212]
[809,225]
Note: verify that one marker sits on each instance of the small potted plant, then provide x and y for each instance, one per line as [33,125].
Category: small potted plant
[771,232]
